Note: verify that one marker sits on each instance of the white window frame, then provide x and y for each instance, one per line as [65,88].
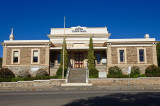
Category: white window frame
[13,50]
[38,56]
[125,55]
[145,56]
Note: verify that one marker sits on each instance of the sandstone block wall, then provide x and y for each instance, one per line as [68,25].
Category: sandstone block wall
[25,59]
[132,58]
[33,84]
[124,81]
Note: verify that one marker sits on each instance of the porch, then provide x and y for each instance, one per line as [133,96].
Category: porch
[78,59]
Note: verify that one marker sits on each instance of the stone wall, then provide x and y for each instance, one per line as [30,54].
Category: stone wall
[132,58]
[25,59]
[131,54]
[33,84]
[124,81]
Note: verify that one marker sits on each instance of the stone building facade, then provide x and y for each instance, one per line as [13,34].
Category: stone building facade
[32,55]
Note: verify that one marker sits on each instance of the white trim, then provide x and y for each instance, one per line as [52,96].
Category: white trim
[29,41]
[131,45]
[19,53]
[28,46]
[32,56]
[59,48]
[145,56]
[124,55]
[138,39]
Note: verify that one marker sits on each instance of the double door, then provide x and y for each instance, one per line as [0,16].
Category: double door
[78,60]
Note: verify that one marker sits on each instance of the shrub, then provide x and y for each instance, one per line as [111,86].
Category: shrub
[152,69]
[23,74]
[158,53]
[115,70]
[117,76]
[6,73]
[93,73]
[135,71]
[0,62]
[41,72]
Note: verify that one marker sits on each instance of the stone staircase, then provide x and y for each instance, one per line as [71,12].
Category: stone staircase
[77,75]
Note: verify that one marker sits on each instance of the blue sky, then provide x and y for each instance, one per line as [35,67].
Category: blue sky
[32,19]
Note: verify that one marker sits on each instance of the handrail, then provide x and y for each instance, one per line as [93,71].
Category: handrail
[67,75]
[87,74]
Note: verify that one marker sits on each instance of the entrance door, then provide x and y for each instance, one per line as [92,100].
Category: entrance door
[78,57]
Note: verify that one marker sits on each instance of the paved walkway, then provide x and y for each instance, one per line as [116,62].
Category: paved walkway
[80,98]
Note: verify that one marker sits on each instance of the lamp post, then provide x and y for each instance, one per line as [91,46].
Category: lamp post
[63,49]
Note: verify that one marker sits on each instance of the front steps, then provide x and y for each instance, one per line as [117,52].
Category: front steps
[77,75]
[76,84]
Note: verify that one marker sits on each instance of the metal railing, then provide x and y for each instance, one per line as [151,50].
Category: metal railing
[67,75]
[87,74]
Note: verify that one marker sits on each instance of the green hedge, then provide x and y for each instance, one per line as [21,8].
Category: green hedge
[124,76]
[29,78]
[115,71]
[153,75]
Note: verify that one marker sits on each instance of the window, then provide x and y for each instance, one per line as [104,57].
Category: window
[121,53]
[35,56]
[15,56]
[98,58]
[141,55]
[59,57]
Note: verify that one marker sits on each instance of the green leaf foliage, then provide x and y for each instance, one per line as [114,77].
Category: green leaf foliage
[135,71]
[0,62]
[6,73]
[93,72]
[115,71]
[60,69]
[152,69]
[158,53]
[41,72]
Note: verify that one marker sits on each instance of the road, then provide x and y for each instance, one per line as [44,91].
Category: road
[80,98]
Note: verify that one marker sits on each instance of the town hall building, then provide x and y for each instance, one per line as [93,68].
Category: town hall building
[32,55]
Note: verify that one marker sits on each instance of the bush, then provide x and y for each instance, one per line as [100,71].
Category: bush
[59,71]
[28,78]
[41,72]
[117,76]
[6,73]
[152,69]
[0,62]
[153,75]
[23,74]
[93,73]
[115,71]
[135,71]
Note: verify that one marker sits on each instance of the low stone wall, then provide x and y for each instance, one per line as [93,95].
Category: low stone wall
[124,81]
[33,84]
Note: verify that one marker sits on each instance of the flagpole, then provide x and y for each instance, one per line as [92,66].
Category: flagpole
[63,49]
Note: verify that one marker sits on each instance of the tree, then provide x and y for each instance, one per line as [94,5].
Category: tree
[0,62]
[60,69]
[93,72]
[158,53]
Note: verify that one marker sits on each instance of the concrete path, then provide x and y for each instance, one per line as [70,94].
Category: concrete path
[80,98]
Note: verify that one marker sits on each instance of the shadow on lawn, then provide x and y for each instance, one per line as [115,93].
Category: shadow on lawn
[119,99]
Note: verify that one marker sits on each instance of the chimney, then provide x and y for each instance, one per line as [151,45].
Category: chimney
[11,35]
[146,36]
